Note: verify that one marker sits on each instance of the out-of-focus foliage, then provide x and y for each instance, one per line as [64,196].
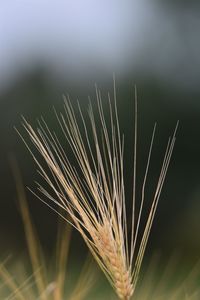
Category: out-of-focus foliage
[49,280]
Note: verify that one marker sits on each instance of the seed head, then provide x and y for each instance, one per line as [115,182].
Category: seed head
[93,192]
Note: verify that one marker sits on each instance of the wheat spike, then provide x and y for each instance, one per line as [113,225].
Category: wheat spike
[93,192]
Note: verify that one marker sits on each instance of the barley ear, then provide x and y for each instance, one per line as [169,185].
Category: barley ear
[93,192]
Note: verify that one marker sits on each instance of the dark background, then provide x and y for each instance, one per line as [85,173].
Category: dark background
[158,51]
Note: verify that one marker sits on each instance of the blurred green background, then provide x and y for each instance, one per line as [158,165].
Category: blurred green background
[50,49]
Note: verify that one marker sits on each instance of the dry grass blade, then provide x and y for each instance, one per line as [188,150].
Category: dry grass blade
[85,282]
[170,281]
[10,282]
[34,247]
[93,194]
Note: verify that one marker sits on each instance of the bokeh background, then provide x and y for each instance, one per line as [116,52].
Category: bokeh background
[51,48]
